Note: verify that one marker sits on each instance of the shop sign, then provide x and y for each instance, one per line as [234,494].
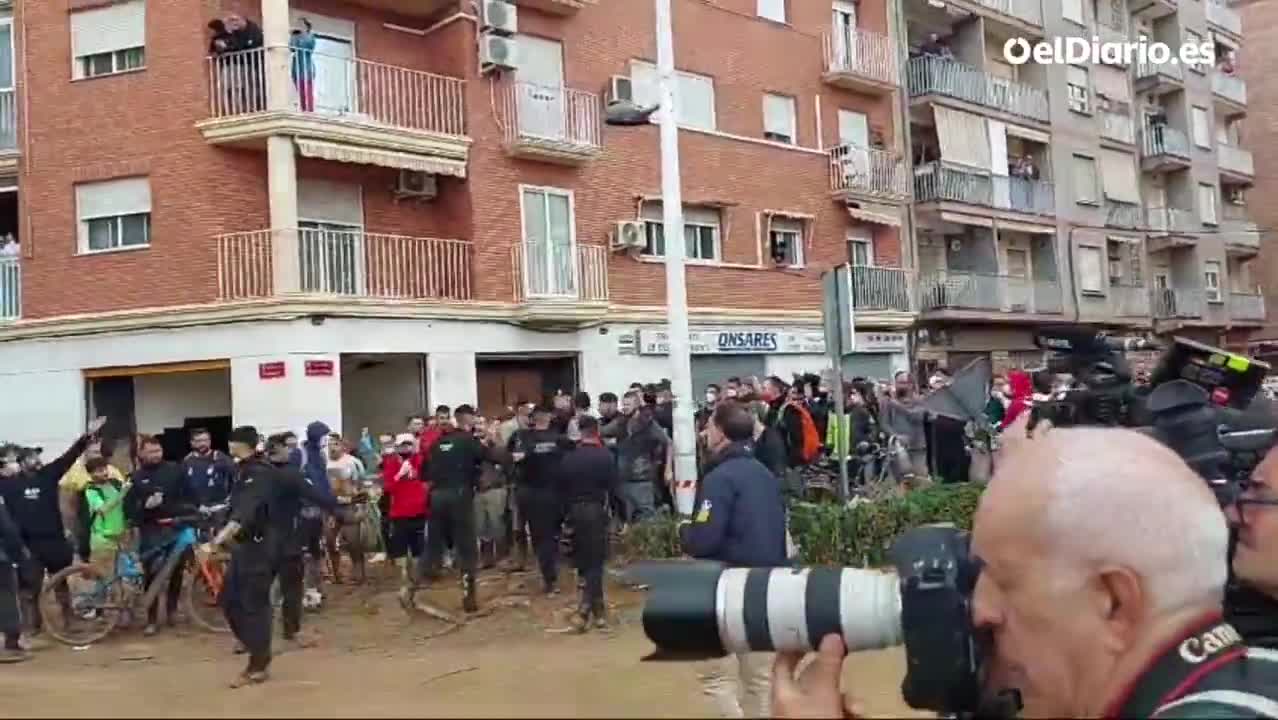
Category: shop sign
[319,368]
[754,341]
[270,370]
[881,342]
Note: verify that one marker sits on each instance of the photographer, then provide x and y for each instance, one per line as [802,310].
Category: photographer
[1254,514]
[1101,588]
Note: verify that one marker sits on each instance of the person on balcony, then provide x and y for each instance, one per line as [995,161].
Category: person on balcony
[302,43]
[248,68]
[1157,121]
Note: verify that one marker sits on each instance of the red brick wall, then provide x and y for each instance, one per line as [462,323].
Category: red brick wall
[1259,59]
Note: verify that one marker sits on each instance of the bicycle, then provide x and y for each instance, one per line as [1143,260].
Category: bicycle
[98,604]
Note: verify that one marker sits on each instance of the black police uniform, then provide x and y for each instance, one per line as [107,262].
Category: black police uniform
[454,466]
[12,552]
[167,479]
[246,595]
[587,477]
[538,499]
[1210,673]
[288,537]
[209,476]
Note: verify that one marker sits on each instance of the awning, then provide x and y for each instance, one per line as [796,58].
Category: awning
[964,219]
[1026,227]
[1037,136]
[341,152]
[963,137]
[1118,170]
[872,214]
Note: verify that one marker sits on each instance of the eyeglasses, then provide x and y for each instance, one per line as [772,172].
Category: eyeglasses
[1245,496]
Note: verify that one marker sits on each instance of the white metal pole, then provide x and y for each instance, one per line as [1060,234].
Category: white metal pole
[685,440]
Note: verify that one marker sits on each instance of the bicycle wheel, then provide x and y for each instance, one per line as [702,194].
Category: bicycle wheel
[203,595]
[95,604]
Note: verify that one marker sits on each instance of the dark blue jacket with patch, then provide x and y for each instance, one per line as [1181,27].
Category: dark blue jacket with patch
[740,514]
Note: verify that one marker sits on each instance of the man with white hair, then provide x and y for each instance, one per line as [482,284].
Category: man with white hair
[1102,583]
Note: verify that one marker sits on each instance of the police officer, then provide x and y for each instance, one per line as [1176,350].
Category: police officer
[539,450]
[12,554]
[588,477]
[454,465]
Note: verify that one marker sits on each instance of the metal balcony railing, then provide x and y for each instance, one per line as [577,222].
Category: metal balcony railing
[1129,300]
[1167,304]
[881,289]
[345,88]
[1247,306]
[1124,215]
[1118,126]
[868,54]
[8,120]
[940,182]
[951,289]
[1223,17]
[931,75]
[1030,11]
[560,271]
[1153,70]
[347,264]
[10,289]
[1171,220]
[1229,87]
[552,115]
[1164,140]
[1240,234]
[1232,158]
[868,170]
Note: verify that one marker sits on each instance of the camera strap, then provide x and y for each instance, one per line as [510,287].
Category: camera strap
[1207,646]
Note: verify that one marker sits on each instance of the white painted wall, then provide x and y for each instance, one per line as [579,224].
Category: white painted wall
[787,366]
[602,369]
[379,397]
[42,408]
[166,400]
[453,380]
[288,403]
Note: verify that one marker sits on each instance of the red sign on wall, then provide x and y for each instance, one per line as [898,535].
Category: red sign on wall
[319,368]
[270,370]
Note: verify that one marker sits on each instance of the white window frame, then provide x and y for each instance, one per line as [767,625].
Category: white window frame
[1079,97]
[572,229]
[1208,213]
[1211,281]
[855,241]
[1197,113]
[1098,287]
[715,230]
[649,96]
[768,10]
[117,221]
[796,241]
[786,136]
[1095,190]
[82,64]
[7,20]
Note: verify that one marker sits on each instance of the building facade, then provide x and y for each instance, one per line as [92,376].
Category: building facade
[1258,59]
[428,207]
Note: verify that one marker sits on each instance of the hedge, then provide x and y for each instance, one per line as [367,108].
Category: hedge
[856,535]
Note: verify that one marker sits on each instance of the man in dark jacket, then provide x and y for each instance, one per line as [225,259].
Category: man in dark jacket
[159,494]
[537,452]
[740,521]
[12,553]
[208,471]
[587,477]
[314,466]
[783,417]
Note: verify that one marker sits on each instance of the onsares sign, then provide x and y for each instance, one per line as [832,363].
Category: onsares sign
[755,341]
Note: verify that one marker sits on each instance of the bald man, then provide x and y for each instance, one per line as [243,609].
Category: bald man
[1104,574]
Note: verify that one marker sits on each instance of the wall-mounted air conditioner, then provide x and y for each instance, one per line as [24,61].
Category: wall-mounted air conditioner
[497,53]
[500,17]
[629,235]
[416,185]
[620,89]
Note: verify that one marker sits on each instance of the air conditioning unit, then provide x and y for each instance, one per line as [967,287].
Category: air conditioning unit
[621,89]
[416,185]
[1237,196]
[497,52]
[629,235]
[500,17]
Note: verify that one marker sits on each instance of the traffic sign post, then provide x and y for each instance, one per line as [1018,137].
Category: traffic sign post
[840,339]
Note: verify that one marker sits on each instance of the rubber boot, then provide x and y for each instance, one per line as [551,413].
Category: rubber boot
[470,602]
[521,551]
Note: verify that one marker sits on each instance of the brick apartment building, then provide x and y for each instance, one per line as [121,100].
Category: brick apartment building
[1259,59]
[443,218]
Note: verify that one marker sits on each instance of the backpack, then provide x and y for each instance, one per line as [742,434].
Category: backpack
[809,448]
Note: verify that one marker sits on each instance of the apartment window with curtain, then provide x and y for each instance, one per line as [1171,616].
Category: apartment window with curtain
[108,40]
[1211,281]
[785,240]
[1207,203]
[694,94]
[1091,268]
[772,10]
[1201,127]
[114,215]
[779,122]
[1085,185]
[860,250]
[701,228]
[1080,100]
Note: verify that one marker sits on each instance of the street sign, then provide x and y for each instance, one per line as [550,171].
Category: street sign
[837,313]
[270,370]
[319,368]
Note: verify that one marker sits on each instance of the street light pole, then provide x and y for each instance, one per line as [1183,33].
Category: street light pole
[680,356]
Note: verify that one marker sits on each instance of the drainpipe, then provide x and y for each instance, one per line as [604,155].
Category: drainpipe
[900,117]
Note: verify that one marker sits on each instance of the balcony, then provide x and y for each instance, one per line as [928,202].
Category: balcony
[1241,237]
[1159,78]
[344,265]
[1235,164]
[1223,18]
[857,172]
[1124,215]
[1171,228]
[937,182]
[354,111]
[863,61]
[1118,127]
[942,77]
[1168,304]
[554,124]
[1016,15]
[1247,307]
[10,289]
[1129,301]
[560,284]
[882,290]
[989,293]
[557,7]
[1164,148]
[1230,94]
[1153,9]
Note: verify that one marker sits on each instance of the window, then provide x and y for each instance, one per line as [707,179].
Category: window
[1211,280]
[1201,127]
[549,252]
[1207,203]
[785,240]
[1085,185]
[861,251]
[778,118]
[694,94]
[1072,10]
[1193,38]
[1091,261]
[700,232]
[114,215]
[1079,89]
[772,10]
[108,40]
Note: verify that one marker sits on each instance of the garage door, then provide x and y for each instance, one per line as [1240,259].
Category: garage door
[707,369]
[869,366]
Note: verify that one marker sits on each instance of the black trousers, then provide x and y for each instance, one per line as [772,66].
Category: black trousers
[48,556]
[246,601]
[543,511]
[452,518]
[10,614]
[290,570]
[152,540]
[590,550]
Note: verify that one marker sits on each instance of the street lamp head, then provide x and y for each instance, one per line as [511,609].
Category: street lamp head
[625,113]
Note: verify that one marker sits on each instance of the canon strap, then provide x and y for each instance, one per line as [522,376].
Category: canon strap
[1205,648]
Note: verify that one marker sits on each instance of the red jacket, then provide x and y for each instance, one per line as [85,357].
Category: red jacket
[409,496]
[1022,387]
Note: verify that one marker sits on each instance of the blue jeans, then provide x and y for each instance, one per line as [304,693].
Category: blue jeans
[640,500]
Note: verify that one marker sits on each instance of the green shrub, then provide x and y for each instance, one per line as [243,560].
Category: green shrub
[833,534]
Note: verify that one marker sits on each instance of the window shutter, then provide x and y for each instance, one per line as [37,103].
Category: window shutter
[1084,179]
[964,137]
[643,80]
[780,223]
[1090,269]
[695,101]
[1202,135]
[1072,10]
[778,115]
[1207,203]
[772,9]
[126,196]
[330,202]
[1112,83]
[1118,170]
[107,29]
[701,215]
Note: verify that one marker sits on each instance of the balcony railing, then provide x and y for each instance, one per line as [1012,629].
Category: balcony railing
[1030,11]
[864,53]
[1168,304]
[10,289]
[1229,87]
[560,271]
[940,182]
[342,88]
[1124,215]
[881,289]
[552,116]
[1240,235]
[1129,300]
[346,264]
[1223,17]
[1164,140]
[1171,220]
[1247,306]
[8,120]
[1118,126]
[960,290]
[1231,158]
[869,171]
[931,75]
[1156,70]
